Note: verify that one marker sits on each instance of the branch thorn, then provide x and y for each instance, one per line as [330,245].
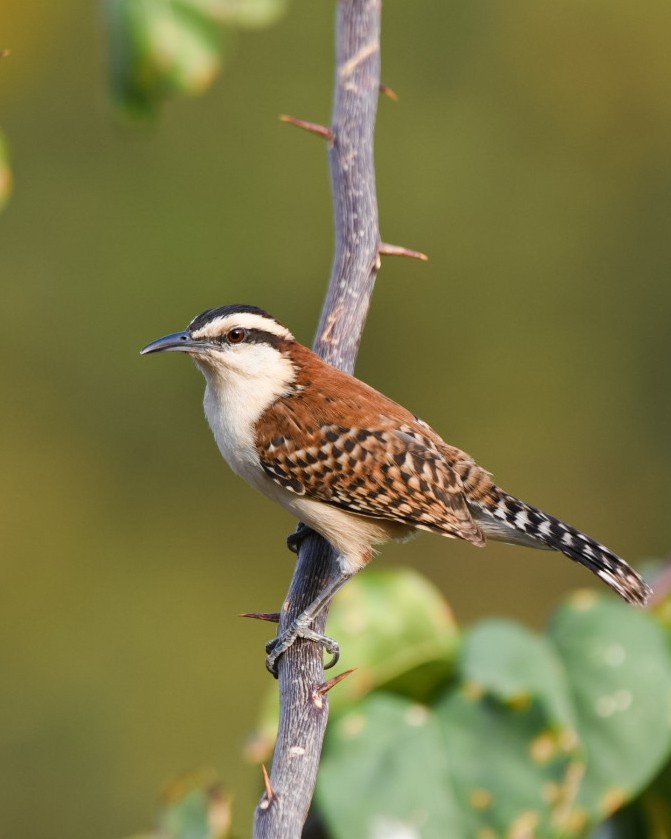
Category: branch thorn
[331,683]
[398,250]
[389,92]
[273,617]
[313,127]
[271,795]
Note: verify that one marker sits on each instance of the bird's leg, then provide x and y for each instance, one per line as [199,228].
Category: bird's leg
[300,628]
[295,539]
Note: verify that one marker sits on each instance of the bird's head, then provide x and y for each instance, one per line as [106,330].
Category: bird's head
[234,341]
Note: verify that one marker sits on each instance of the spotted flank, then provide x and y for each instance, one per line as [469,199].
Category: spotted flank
[508,519]
[385,472]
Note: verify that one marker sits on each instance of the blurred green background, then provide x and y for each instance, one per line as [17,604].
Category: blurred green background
[529,156]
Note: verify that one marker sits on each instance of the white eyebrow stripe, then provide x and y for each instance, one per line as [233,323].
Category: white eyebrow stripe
[247,320]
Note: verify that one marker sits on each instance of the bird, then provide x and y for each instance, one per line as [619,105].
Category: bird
[352,464]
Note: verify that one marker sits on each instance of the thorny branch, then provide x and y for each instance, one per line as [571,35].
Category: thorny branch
[284,805]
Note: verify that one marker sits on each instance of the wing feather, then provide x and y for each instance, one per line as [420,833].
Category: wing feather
[388,471]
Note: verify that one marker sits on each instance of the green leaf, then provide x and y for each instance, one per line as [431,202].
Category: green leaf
[516,665]
[513,771]
[250,14]
[187,818]
[396,629]
[620,681]
[159,48]
[504,759]
[385,773]
[196,808]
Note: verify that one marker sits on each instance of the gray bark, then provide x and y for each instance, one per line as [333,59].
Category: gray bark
[281,813]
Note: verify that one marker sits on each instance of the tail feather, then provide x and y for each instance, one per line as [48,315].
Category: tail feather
[510,520]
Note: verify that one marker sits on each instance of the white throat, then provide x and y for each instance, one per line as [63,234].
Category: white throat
[246,382]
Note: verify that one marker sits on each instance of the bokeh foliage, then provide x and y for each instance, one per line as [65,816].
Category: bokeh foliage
[160,48]
[506,732]
[528,155]
[517,734]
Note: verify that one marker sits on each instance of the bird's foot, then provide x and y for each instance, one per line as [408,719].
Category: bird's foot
[295,539]
[299,629]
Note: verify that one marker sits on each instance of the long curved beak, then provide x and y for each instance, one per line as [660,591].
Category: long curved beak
[177,342]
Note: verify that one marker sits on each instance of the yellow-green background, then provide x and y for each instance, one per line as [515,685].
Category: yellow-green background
[529,155]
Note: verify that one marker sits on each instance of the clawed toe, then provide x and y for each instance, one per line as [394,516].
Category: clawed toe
[279,645]
[295,539]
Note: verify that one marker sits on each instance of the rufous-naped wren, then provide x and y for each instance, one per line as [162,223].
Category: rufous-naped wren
[352,464]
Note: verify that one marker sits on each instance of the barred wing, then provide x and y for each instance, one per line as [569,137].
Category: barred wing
[390,472]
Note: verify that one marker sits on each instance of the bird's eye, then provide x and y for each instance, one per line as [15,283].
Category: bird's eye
[236,336]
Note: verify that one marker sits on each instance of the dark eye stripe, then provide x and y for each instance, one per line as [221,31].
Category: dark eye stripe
[251,336]
[259,336]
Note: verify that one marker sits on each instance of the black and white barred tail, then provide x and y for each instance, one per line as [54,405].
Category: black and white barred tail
[510,520]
